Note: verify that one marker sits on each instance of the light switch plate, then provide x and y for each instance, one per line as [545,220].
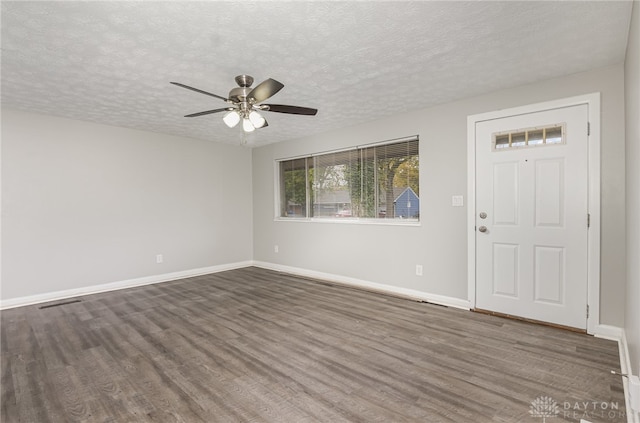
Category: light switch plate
[457,201]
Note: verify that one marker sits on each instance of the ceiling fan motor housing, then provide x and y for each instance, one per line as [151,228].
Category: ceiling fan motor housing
[244,83]
[239,93]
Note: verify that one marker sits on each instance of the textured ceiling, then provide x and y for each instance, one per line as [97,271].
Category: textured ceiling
[111,62]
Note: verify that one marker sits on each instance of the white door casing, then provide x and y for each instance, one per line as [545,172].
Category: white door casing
[535,260]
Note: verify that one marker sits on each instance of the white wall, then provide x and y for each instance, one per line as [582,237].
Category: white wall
[388,254]
[632,107]
[87,204]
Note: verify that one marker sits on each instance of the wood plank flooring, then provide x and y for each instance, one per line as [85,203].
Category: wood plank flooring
[252,345]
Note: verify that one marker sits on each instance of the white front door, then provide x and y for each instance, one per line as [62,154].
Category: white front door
[532,215]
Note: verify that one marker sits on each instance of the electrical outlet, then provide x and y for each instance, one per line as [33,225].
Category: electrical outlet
[275,248]
[418,270]
[159,258]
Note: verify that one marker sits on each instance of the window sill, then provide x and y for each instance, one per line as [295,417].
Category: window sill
[352,221]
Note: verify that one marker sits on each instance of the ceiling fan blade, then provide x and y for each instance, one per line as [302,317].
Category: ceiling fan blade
[264,90]
[208,112]
[294,110]
[199,91]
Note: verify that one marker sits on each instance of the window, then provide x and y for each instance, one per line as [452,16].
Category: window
[379,181]
[293,187]
[533,137]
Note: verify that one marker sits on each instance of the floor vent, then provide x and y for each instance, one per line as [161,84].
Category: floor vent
[59,304]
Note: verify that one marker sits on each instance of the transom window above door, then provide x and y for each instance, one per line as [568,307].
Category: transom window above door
[531,137]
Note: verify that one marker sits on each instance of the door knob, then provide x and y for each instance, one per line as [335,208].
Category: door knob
[483,215]
[482,229]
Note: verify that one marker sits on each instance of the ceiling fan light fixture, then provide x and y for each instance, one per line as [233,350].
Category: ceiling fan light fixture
[247,126]
[256,119]
[231,119]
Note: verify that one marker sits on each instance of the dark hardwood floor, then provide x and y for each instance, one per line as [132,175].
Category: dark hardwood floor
[253,345]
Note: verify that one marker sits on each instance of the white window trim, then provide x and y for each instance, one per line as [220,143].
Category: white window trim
[349,220]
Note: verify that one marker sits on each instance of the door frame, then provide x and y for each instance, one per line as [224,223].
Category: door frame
[593,192]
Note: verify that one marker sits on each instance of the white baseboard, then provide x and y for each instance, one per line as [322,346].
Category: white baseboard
[372,286]
[615,333]
[612,333]
[625,368]
[148,280]
[113,286]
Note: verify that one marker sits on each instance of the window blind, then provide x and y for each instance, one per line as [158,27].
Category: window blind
[376,181]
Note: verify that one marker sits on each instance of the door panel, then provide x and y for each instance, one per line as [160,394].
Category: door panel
[505,187]
[549,198]
[532,182]
[548,277]
[505,270]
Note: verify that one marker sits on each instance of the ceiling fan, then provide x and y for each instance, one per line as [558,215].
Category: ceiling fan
[243,103]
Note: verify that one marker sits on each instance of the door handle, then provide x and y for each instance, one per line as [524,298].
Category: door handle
[482,229]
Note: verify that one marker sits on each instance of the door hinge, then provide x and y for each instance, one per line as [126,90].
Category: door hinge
[588,220]
[588,128]
[587,311]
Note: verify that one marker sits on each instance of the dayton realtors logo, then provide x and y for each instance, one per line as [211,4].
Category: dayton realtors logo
[546,407]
